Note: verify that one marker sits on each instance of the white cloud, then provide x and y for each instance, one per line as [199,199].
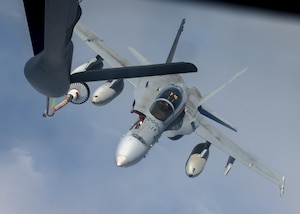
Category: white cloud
[20,184]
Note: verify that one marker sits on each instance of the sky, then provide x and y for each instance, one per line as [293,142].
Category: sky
[65,164]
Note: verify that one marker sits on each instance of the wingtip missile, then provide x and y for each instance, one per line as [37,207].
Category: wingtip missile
[213,93]
[229,165]
[282,186]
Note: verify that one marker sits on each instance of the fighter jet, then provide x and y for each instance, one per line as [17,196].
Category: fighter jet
[165,105]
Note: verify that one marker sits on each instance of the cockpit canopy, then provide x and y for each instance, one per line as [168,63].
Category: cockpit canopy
[168,102]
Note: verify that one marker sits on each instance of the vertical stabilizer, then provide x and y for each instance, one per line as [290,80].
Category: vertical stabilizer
[173,49]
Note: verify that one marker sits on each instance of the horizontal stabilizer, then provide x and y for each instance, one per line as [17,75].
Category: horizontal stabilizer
[215,117]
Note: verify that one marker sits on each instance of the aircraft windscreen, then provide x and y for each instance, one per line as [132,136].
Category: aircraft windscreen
[166,103]
[161,109]
[173,94]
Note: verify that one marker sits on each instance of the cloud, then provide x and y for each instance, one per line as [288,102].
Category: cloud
[20,184]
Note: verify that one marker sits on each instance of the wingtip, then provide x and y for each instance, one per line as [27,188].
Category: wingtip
[282,186]
[242,71]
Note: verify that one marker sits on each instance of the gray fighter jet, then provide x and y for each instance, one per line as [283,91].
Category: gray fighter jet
[165,105]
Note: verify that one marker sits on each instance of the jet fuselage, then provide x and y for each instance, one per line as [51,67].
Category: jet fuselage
[163,101]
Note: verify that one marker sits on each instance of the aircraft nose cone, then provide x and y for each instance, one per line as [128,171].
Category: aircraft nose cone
[121,160]
[130,151]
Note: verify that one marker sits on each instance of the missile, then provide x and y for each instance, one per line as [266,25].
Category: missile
[229,164]
[106,92]
[197,159]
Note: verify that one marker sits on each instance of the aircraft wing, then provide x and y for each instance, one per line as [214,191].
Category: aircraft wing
[107,53]
[221,141]
[97,44]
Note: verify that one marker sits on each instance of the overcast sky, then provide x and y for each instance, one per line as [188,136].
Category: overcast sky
[65,164]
